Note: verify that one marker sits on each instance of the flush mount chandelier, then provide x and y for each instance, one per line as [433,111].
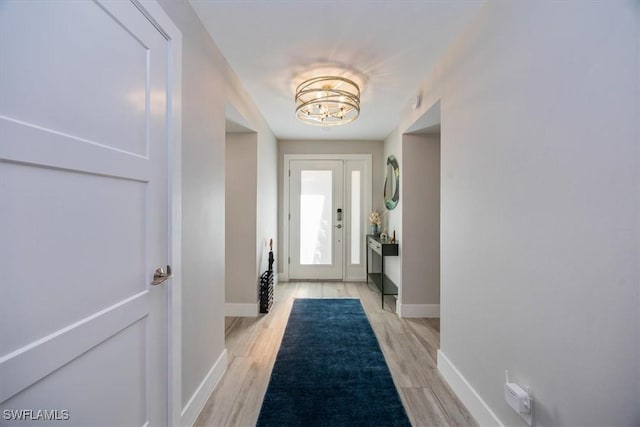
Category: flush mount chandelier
[327,101]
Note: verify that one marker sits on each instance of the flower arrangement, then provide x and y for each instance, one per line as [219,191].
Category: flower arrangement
[375,218]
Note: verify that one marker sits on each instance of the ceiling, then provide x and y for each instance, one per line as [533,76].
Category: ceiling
[388,47]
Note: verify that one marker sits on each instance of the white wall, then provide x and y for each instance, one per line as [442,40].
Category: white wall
[240,223]
[540,208]
[208,85]
[267,193]
[202,200]
[332,147]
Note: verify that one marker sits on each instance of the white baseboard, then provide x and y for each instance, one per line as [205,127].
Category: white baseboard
[194,406]
[419,310]
[240,310]
[467,394]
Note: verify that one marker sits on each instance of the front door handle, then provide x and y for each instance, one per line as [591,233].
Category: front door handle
[339,226]
[161,275]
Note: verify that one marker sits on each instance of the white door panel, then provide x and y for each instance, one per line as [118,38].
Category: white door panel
[95,98]
[83,212]
[316,230]
[38,202]
[118,401]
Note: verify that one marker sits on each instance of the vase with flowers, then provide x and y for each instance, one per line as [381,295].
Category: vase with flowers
[374,223]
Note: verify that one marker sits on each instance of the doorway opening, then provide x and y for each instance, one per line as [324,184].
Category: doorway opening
[421,214]
[241,198]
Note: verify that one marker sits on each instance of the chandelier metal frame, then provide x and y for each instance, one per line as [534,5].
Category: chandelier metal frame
[327,101]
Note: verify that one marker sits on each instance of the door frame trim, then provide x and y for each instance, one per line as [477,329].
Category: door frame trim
[159,18]
[286,166]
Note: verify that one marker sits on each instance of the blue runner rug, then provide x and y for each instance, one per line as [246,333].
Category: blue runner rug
[330,371]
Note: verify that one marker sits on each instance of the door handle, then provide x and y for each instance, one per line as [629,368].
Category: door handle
[339,226]
[161,275]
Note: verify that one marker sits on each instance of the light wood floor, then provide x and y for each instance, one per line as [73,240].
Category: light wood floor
[409,346]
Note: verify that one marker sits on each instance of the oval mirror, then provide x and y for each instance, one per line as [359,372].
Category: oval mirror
[392,183]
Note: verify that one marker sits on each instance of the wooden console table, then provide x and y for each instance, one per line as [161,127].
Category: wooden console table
[381,249]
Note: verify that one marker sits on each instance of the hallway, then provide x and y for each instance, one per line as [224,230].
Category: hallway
[409,346]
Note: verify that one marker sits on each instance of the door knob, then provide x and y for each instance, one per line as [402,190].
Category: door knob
[160,275]
[339,226]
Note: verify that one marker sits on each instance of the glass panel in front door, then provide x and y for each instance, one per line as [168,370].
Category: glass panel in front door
[316,207]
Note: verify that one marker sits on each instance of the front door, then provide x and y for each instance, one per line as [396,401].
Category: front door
[317,219]
[83,214]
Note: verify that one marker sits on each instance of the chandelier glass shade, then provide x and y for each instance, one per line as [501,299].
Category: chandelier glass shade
[327,101]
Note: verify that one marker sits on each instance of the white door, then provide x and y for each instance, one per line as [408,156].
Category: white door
[317,219]
[83,214]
